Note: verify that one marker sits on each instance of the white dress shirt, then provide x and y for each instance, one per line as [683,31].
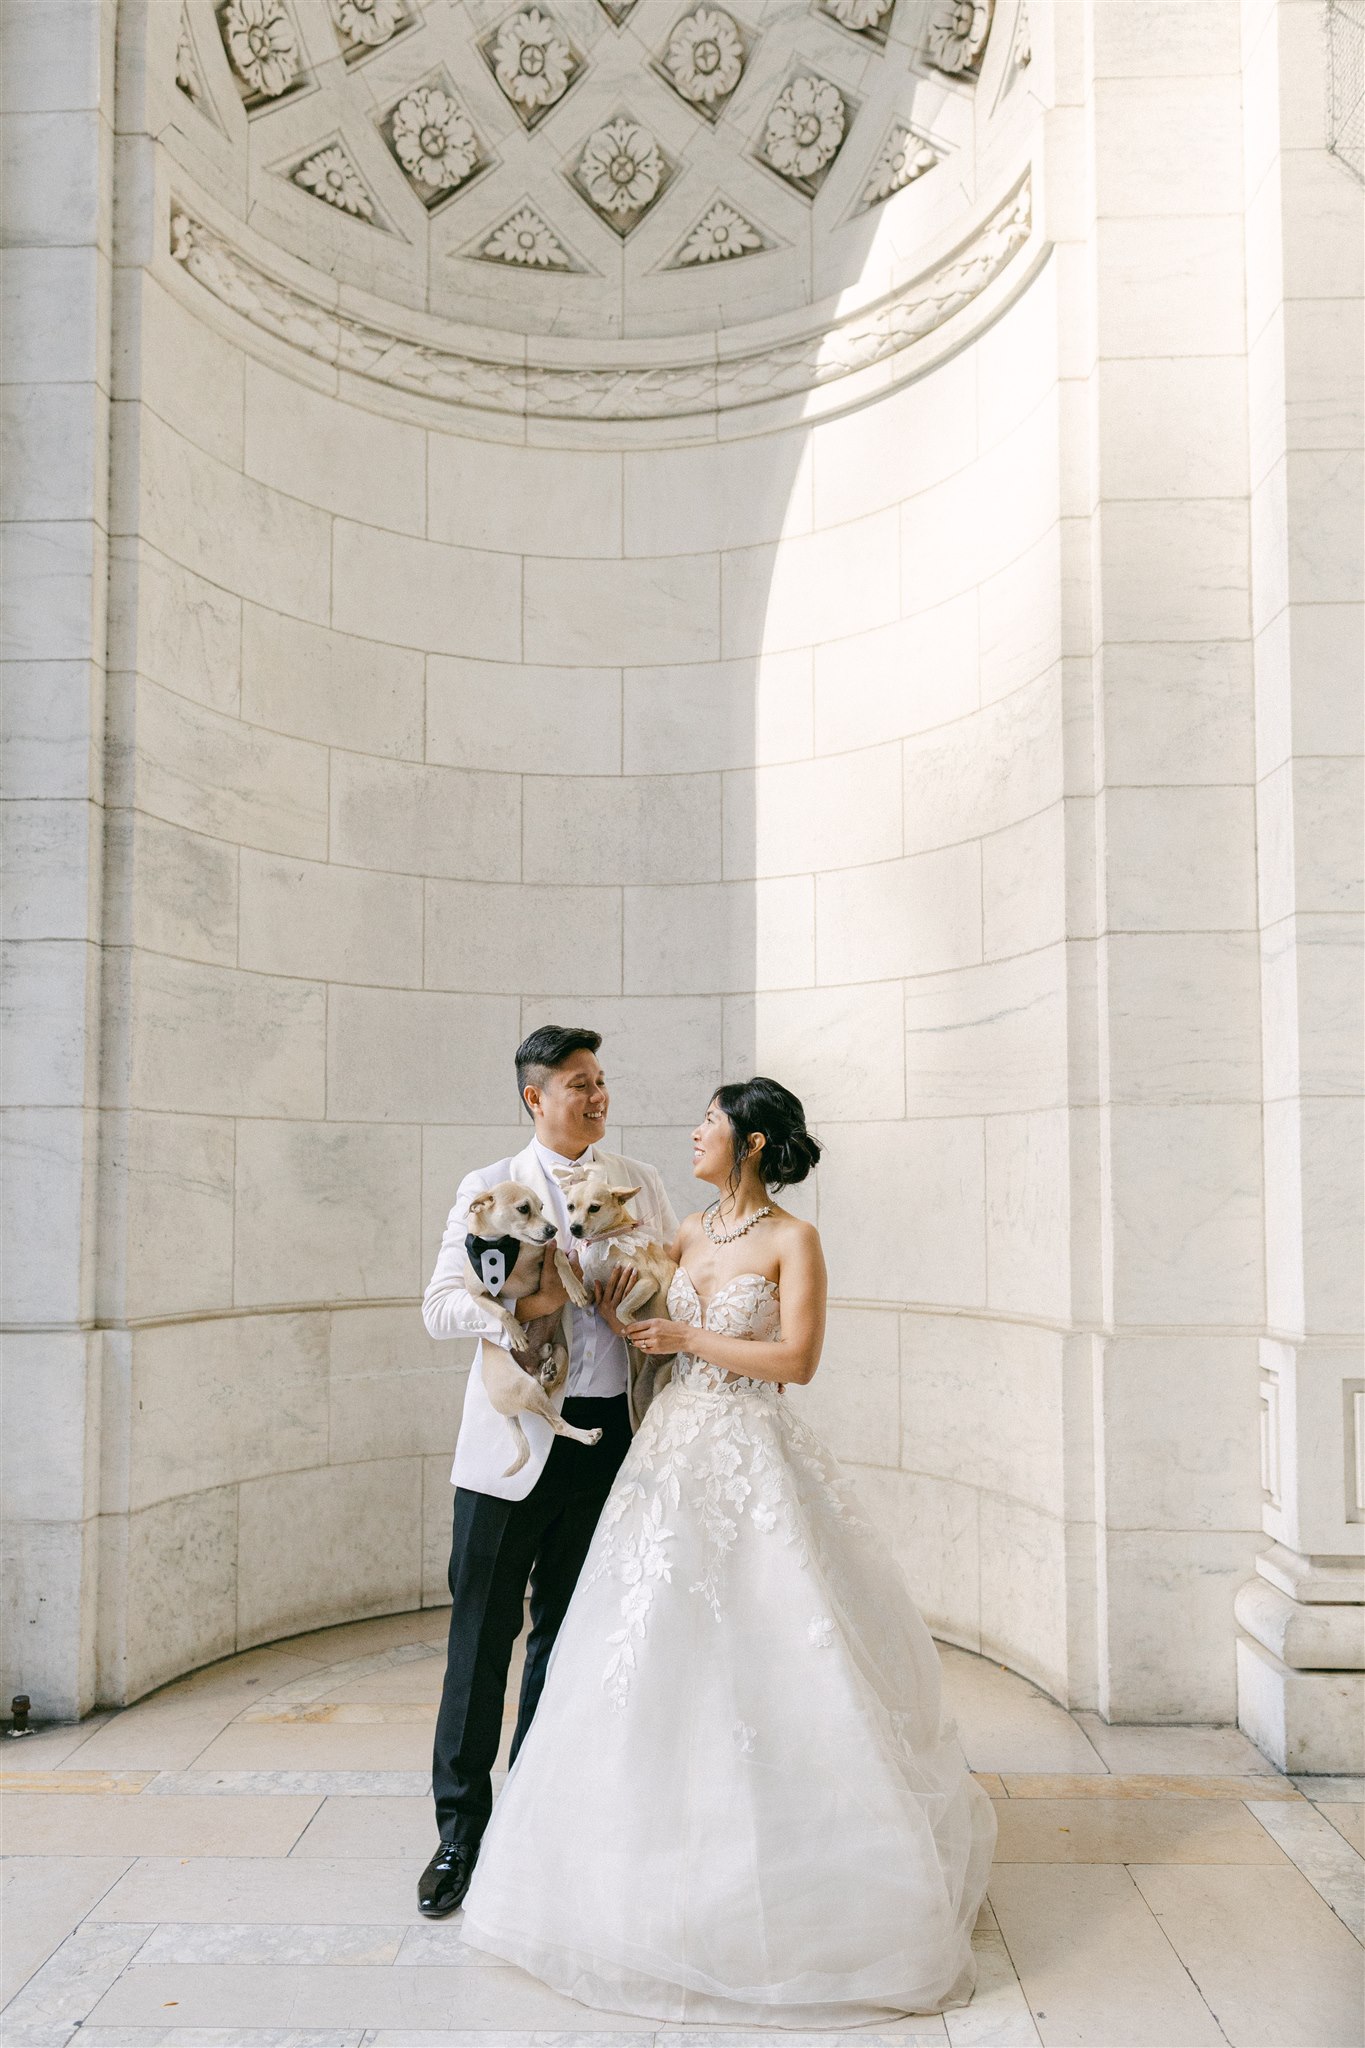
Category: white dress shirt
[597,1356]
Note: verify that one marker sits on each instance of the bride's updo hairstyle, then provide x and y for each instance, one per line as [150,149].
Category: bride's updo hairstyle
[766,1108]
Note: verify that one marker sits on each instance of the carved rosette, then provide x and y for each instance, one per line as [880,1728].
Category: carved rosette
[867,18]
[264,49]
[621,171]
[804,132]
[533,61]
[957,35]
[366,25]
[704,59]
[433,141]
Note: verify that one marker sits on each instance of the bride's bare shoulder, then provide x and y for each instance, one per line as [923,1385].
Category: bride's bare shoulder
[797,1234]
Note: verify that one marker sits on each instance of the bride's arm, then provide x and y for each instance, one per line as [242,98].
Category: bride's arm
[803,1285]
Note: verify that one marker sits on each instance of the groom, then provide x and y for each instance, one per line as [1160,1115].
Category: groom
[536,1524]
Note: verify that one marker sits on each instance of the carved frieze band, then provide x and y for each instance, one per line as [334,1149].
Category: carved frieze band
[659,390]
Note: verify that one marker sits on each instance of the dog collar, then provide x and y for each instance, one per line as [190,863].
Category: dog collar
[493,1259]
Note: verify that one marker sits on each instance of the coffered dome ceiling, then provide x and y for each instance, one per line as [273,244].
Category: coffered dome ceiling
[590,168]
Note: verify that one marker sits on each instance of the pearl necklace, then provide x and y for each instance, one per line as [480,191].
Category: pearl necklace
[729,1236]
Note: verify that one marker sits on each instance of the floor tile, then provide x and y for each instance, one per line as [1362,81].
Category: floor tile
[225,2037]
[442,1941]
[1274,1963]
[47,1746]
[362,1638]
[191,1941]
[412,1660]
[322,1784]
[76,1781]
[1131,1831]
[1331,1865]
[323,1995]
[1004,1724]
[1127,1746]
[418,1682]
[998,2016]
[75,1976]
[42,1900]
[162,1737]
[1348,1820]
[587,2037]
[370,1827]
[321,1746]
[348,1892]
[1143,1785]
[1350,1789]
[37,1824]
[250,1672]
[1096,1969]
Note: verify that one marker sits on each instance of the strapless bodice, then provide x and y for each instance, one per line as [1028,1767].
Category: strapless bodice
[744,1306]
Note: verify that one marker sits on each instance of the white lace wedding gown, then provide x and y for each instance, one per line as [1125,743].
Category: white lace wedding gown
[738,1802]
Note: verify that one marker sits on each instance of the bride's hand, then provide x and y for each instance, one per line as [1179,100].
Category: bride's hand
[659,1338]
[610,1293]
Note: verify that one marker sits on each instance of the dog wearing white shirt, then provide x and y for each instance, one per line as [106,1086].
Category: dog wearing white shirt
[601,1224]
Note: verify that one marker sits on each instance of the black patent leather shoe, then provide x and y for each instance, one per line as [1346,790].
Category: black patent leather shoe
[444,1882]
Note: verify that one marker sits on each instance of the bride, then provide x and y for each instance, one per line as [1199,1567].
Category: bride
[738,1801]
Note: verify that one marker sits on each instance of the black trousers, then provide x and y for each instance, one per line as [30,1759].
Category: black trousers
[497,1546]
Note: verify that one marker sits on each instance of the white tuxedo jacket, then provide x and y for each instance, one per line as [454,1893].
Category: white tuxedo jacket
[483,1449]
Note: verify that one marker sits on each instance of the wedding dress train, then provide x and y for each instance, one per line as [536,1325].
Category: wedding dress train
[738,1802]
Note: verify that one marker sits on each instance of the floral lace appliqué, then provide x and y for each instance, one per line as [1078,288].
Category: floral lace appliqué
[714,1445]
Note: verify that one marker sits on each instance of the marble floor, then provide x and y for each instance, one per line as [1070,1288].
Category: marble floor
[231,1862]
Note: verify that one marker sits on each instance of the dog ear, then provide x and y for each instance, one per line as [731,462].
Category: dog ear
[624,1194]
[480,1203]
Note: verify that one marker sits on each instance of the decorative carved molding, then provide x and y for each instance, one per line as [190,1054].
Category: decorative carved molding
[589,391]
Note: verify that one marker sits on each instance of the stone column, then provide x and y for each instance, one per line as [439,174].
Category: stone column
[1176,1078]
[57,66]
[1301,1690]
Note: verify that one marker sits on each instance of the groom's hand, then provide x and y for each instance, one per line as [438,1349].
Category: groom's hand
[548,1298]
[611,1293]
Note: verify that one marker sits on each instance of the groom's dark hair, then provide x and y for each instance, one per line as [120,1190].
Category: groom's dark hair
[548,1048]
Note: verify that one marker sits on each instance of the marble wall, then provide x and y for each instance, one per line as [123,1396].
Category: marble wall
[907,745]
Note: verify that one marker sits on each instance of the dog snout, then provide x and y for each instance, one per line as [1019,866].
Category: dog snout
[575,1229]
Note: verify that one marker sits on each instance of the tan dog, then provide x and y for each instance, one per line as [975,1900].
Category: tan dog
[505,1250]
[609,1236]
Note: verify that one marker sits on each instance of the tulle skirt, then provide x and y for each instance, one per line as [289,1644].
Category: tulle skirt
[738,1802]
